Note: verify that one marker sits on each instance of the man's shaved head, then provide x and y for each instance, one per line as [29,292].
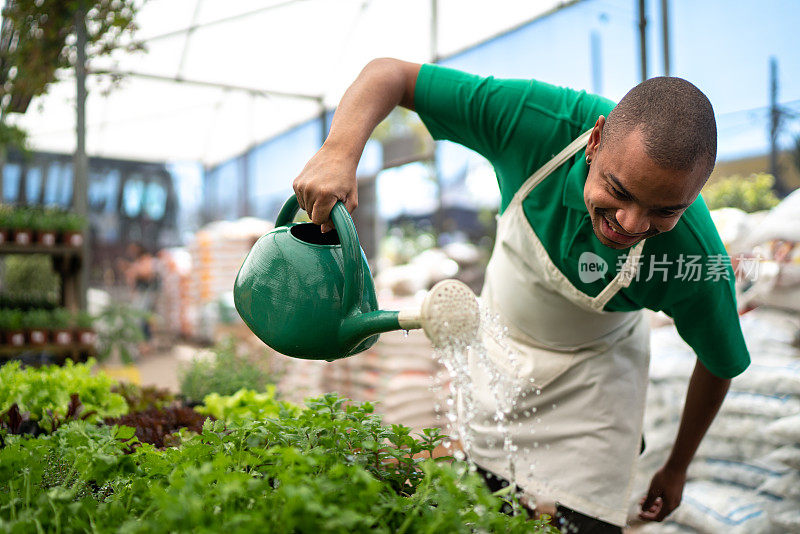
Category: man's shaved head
[676,120]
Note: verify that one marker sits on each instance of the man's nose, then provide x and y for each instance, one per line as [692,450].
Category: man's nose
[633,220]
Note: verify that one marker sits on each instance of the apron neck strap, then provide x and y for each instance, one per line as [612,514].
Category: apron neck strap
[624,277]
[628,271]
[573,148]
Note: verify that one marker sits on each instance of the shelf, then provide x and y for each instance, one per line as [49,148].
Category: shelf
[6,350]
[36,248]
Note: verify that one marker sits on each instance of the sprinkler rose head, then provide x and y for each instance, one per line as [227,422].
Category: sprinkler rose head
[450,314]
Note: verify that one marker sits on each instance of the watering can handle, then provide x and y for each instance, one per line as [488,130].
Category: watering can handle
[351,249]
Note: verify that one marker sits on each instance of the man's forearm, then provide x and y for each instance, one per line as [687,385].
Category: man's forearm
[330,176]
[703,400]
[382,85]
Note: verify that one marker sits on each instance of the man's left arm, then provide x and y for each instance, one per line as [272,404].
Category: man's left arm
[703,400]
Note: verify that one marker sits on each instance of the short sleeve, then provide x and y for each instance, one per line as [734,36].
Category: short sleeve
[518,125]
[709,323]
[479,113]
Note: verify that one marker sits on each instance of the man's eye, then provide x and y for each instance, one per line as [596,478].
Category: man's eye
[666,213]
[618,194]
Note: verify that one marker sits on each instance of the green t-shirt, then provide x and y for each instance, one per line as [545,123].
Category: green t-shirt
[518,125]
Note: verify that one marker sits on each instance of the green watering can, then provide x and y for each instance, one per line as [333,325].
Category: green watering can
[310,295]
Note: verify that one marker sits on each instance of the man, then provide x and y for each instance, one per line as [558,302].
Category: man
[601,218]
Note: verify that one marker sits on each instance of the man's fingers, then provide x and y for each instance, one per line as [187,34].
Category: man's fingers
[298,192]
[652,510]
[351,202]
[321,210]
[648,502]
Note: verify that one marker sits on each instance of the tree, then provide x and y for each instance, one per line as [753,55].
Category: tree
[37,40]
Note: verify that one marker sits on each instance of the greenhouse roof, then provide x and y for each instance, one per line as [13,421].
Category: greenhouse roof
[221,77]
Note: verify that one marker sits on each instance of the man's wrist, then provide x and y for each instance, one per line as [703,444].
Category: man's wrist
[677,465]
[345,151]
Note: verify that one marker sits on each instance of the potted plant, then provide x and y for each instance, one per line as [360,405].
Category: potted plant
[37,322]
[11,326]
[44,223]
[84,328]
[20,224]
[60,326]
[5,229]
[71,225]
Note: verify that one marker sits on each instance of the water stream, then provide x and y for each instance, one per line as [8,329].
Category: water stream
[463,363]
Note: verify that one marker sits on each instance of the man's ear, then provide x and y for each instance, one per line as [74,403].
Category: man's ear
[594,138]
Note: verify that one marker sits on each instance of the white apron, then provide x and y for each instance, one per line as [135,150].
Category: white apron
[576,426]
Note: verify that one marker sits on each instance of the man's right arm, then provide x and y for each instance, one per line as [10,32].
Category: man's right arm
[330,175]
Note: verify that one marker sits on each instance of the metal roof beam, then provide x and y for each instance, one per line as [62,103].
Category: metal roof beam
[201,83]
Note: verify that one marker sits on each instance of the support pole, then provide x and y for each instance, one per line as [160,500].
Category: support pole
[80,197]
[643,39]
[774,127]
[438,217]
[665,34]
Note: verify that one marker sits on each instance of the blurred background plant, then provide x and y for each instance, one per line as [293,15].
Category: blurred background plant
[119,332]
[749,194]
[246,405]
[29,281]
[225,371]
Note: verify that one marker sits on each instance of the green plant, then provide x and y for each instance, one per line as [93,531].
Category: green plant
[119,330]
[83,320]
[5,214]
[225,372]
[45,392]
[10,320]
[750,194]
[334,467]
[44,219]
[60,319]
[37,319]
[20,218]
[245,405]
[68,221]
[31,278]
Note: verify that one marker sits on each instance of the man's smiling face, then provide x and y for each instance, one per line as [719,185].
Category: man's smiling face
[629,197]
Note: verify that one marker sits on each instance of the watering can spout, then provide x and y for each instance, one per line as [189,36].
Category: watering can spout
[359,327]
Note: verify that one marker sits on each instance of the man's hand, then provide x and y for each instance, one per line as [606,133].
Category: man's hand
[331,174]
[664,495]
[703,399]
[326,179]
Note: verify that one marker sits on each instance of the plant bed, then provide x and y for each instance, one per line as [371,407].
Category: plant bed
[45,393]
[331,466]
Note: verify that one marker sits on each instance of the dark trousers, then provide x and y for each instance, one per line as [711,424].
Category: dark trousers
[566,520]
